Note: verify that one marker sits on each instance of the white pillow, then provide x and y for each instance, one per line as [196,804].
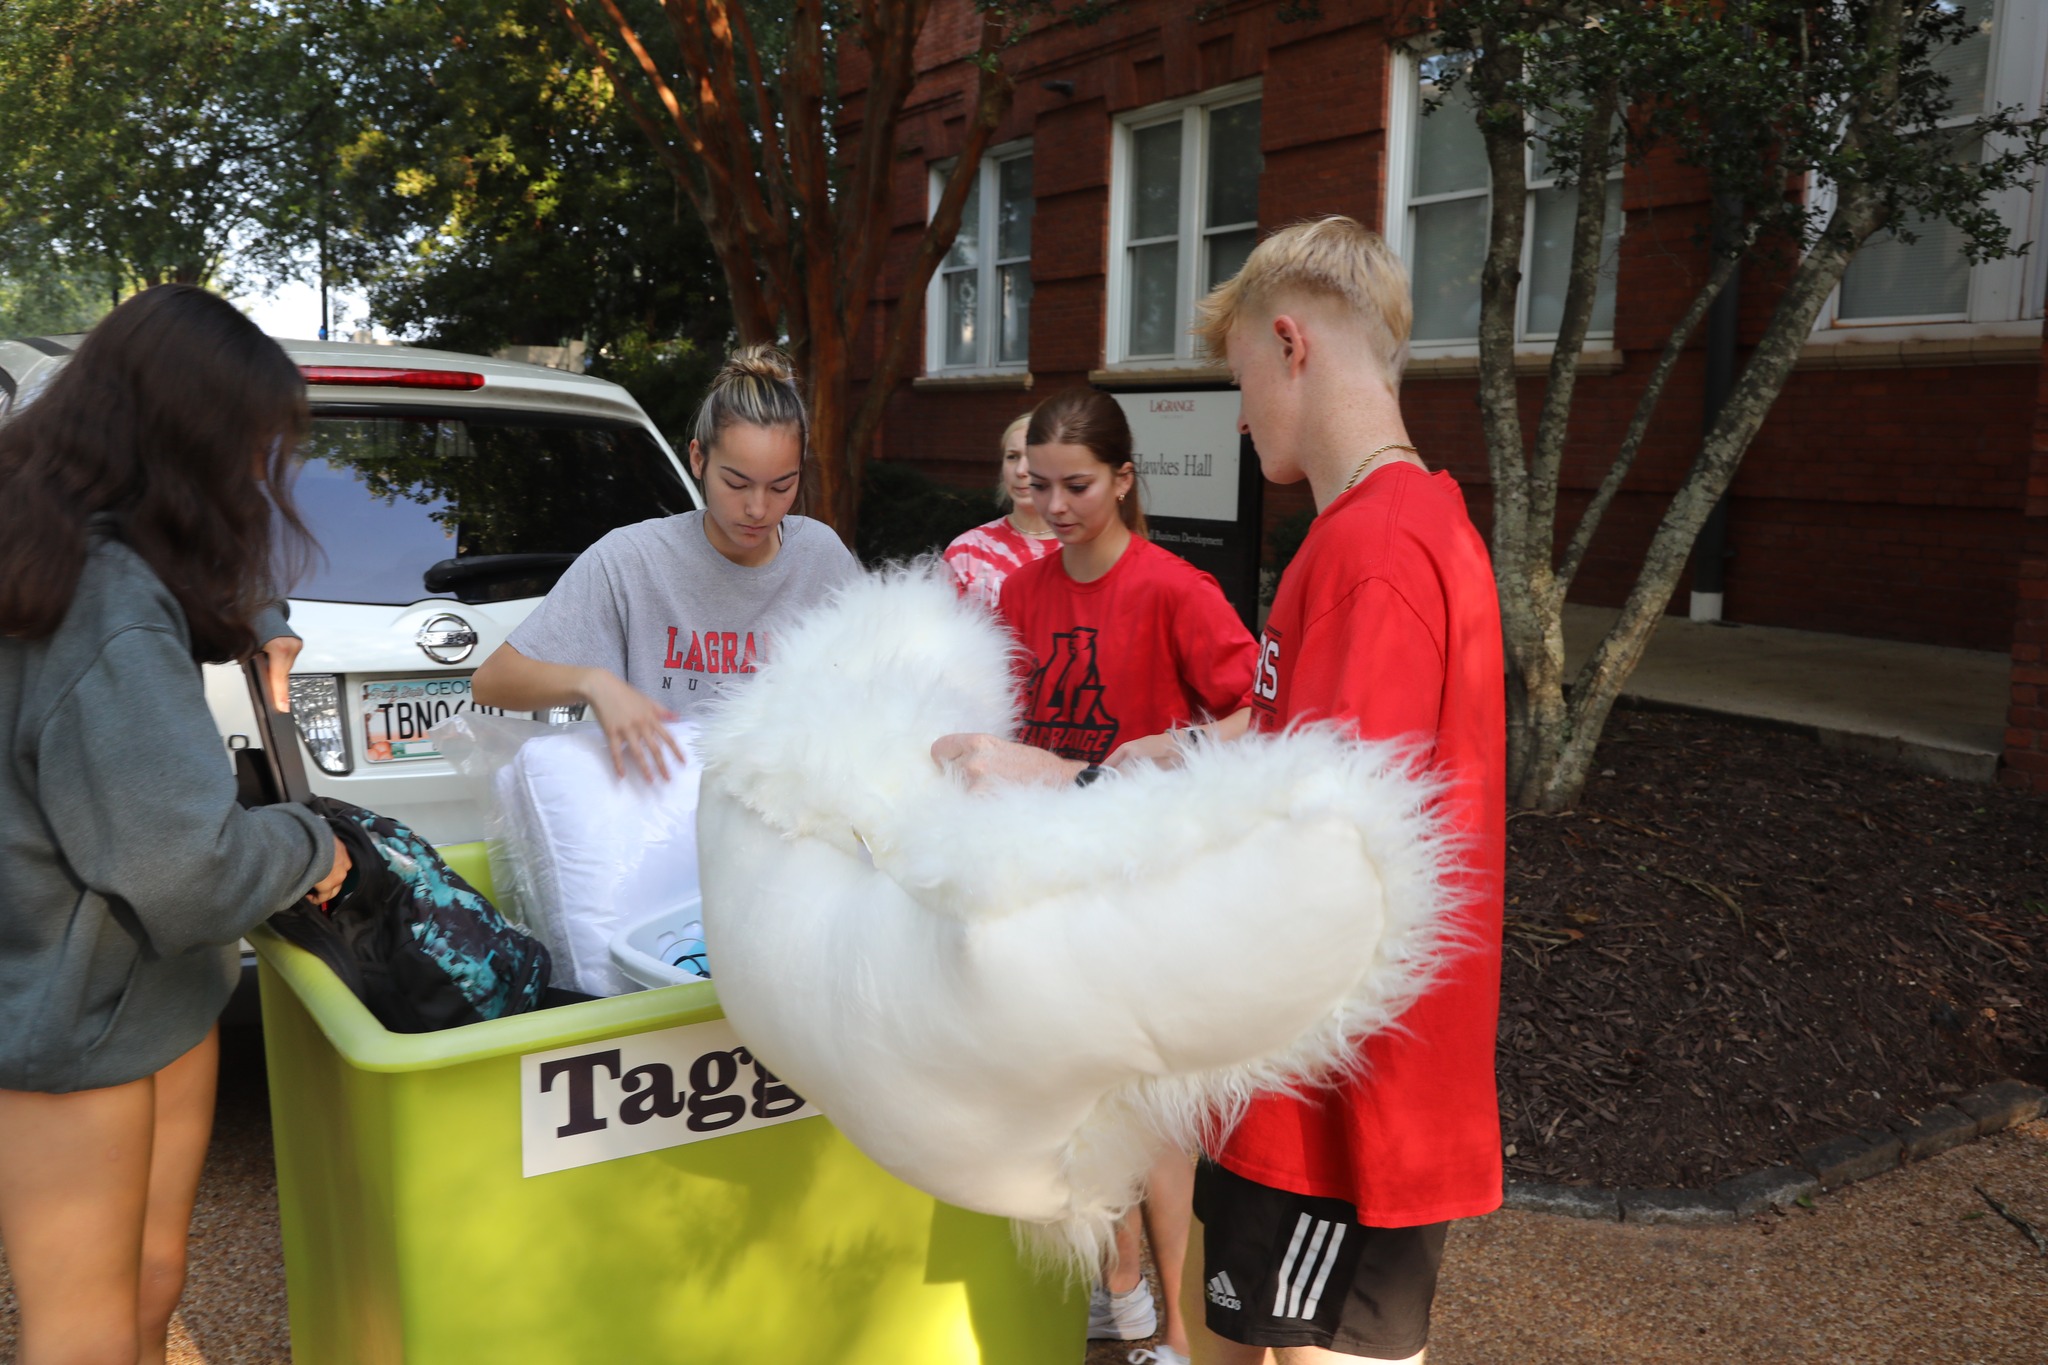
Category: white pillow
[598,852]
[1014,1000]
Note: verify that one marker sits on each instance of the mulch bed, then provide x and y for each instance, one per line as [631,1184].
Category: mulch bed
[1743,943]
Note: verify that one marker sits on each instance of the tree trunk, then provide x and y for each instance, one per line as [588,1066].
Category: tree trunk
[1553,731]
[1557,769]
[800,220]
[1535,660]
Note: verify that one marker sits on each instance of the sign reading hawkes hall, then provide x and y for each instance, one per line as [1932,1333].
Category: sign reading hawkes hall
[1186,450]
[1201,485]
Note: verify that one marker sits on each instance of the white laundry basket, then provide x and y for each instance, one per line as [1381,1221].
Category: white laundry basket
[665,950]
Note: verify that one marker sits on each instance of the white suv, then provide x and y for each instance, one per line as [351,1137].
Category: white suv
[447,493]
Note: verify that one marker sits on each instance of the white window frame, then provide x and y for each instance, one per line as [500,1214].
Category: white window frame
[990,321]
[2005,295]
[1192,112]
[1405,111]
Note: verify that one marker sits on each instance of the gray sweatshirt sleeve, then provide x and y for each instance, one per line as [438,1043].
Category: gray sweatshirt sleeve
[131,776]
[272,622]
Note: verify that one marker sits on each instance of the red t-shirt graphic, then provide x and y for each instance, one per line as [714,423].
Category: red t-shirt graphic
[1150,645]
[1387,620]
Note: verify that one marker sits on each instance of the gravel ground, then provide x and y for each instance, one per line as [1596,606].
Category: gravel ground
[1912,1266]
[1908,1267]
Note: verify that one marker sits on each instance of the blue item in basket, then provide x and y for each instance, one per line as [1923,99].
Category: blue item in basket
[664,949]
[686,950]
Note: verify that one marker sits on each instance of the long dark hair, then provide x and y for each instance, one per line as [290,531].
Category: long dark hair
[172,427]
[1092,419]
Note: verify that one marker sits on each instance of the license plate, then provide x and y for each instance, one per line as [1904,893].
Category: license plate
[397,714]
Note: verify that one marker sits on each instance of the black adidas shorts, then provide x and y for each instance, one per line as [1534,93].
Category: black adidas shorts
[1282,1269]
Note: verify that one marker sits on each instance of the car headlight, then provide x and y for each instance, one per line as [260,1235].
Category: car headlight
[316,708]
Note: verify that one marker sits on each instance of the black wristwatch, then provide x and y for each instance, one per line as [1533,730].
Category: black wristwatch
[1094,772]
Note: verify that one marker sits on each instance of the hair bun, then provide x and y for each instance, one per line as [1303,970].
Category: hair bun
[759,361]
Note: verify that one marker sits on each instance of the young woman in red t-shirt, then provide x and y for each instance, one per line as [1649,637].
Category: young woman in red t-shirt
[983,557]
[1123,639]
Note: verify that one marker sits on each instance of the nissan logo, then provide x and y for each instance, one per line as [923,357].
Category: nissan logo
[447,639]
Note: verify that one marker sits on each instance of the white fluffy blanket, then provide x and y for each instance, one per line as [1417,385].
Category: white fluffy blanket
[1015,999]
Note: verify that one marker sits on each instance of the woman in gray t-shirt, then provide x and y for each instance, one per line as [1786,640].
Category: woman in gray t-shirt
[655,619]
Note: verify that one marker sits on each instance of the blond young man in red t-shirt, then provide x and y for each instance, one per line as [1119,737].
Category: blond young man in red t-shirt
[1321,1217]
[1326,1212]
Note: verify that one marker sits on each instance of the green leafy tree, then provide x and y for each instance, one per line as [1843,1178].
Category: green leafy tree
[491,192]
[45,301]
[1815,125]
[154,140]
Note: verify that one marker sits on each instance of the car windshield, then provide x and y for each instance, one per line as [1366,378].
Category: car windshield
[389,497]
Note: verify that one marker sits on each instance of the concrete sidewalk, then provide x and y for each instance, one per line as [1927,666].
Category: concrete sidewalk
[1938,710]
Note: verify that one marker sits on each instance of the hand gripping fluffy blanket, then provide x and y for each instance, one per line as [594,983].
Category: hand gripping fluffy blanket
[1015,999]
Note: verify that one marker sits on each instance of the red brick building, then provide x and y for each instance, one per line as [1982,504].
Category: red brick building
[1888,494]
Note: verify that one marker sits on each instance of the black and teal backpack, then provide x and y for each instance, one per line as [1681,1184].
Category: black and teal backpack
[419,946]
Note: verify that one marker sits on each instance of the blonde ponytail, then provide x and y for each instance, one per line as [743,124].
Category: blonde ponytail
[757,386]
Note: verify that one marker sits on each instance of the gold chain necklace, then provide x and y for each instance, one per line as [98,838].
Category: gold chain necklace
[1359,472]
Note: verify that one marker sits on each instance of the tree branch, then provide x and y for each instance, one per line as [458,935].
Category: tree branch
[764,112]
[1599,681]
[718,106]
[811,305]
[891,76]
[1639,424]
[753,310]
[1501,125]
[1582,291]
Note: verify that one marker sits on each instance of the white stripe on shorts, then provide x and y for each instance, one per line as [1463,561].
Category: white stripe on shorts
[1301,1227]
[1309,1261]
[1315,1294]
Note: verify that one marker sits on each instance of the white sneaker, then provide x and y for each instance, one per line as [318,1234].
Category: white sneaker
[1122,1317]
[1162,1354]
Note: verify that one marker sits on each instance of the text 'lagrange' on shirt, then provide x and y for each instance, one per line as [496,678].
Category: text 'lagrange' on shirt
[712,651]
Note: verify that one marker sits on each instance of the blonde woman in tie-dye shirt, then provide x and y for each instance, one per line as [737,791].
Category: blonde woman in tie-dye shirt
[982,558]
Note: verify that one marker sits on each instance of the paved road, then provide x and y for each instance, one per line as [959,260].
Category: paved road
[1909,1267]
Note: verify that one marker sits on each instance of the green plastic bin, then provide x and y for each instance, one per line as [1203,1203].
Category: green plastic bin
[412,1233]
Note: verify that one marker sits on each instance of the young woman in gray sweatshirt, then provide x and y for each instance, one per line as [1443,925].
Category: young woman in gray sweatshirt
[141,499]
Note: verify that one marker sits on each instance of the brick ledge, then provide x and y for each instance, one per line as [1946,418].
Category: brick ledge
[1526,363]
[1159,376]
[973,383]
[1923,353]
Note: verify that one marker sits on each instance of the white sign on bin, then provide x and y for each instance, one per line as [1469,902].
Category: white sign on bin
[1186,447]
[644,1092]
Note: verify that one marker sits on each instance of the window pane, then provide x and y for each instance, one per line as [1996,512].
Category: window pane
[967,245]
[1889,279]
[1227,251]
[1610,261]
[1155,298]
[1968,63]
[1550,250]
[1155,181]
[1450,248]
[1013,216]
[1234,165]
[1016,337]
[961,296]
[1450,155]
[388,497]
